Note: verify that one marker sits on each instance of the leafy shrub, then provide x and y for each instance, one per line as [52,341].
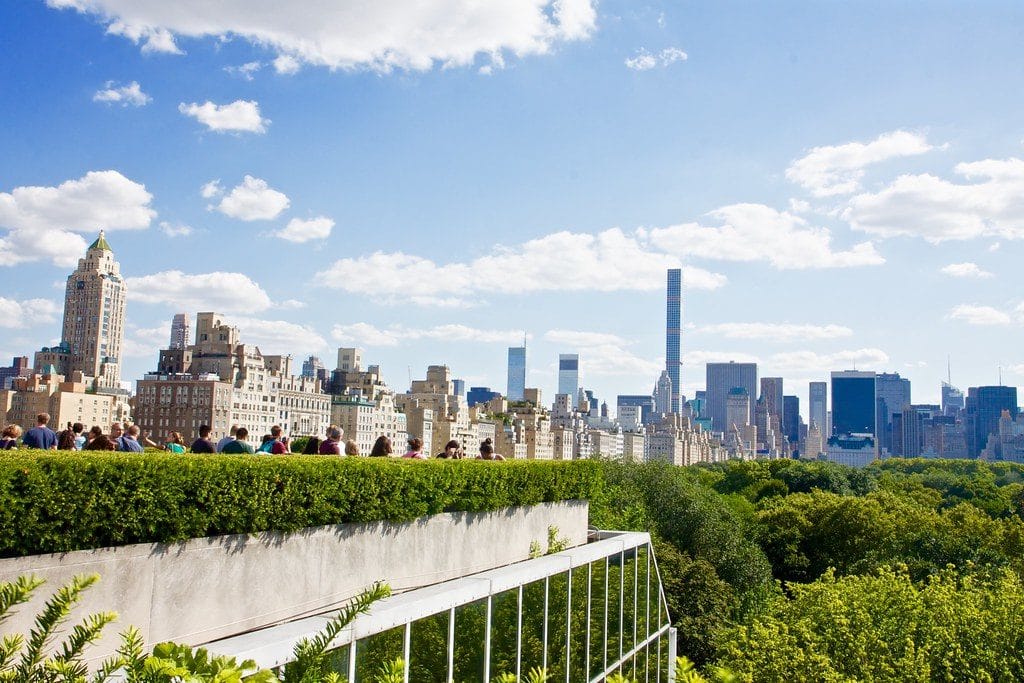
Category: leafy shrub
[57,502]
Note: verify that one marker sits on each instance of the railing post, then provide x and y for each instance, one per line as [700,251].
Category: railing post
[671,655]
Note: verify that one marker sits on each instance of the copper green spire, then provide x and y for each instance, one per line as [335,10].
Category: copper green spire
[100,243]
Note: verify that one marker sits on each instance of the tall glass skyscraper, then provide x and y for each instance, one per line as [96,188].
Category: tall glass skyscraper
[720,378]
[983,408]
[516,389]
[569,375]
[817,407]
[673,325]
[853,403]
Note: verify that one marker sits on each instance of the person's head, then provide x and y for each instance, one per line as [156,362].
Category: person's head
[103,443]
[95,431]
[451,449]
[416,444]
[78,428]
[241,433]
[116,430]
[382,446]
[204,431]
[234,430]
[266,438]
[43,419]
[334,433]
[275,432]
[351,448]
[176,438]
[312,446]
[12,432]
[133,432]
[487,449]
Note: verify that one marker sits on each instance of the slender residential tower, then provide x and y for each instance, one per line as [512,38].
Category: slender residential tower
[673,325]
[516,389]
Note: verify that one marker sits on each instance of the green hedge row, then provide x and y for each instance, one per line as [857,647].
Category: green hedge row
[55,502]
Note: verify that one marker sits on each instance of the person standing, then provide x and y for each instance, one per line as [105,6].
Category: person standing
[332,444]
[129,441]
[227,439]
[41,436]
[239,443]
[203,443]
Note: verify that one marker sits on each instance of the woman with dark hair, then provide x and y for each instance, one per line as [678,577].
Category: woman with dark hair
[381,448]
[451,451]
[487,451]
[175,444]
[312,446]
[10,436]
[102,442]
[415,449]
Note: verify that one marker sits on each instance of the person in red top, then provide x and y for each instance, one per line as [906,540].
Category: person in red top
[415,449]
[278,446]
[332,444]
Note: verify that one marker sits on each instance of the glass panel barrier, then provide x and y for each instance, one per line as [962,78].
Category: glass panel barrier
[428,649]
[470,634]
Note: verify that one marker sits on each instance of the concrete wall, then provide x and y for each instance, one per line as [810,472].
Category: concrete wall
[209,588]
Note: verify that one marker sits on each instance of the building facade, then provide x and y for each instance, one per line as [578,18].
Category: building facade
[720,378]
[516,386]
[673,336]
[817,407]
[181,334]
[569,374]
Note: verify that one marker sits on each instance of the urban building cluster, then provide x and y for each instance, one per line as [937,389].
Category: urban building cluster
[209,375]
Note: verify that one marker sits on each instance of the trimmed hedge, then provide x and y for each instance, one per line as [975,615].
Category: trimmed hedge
[58,502]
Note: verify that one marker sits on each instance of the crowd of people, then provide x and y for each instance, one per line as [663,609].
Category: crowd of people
[129,438]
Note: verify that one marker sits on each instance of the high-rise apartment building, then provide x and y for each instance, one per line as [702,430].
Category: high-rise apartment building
[720,378]
[180,331]
[663,394]
[853,403]
[673,326]
[983,408]
[516,386]
[817,407]
[569,374]
[93,334]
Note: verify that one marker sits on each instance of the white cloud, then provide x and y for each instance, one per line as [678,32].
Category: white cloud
[175,229]
[365,334]
[246,71]
[252,200]
[838,169]
[812,363]
[938,210]
[299,230]
[211,189]
[645,61]
[146,342]
[20,314]
[979,315]
[286,65]
[604,354]
[755,232]
[125,95]
[968,269]
[780,332]
[607,261]
[43,220]
[1017,369]
[221,292]
[291,304]
[279,336]
[381,35]
[576,338]
[241,116]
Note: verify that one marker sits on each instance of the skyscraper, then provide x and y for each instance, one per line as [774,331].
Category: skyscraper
[737,409]
[645,403]
[312,366]
[892,394]
[720,378]
[516,373]
[569,374]
[853,403]
[771,394]
[94,303]
[983,408]
[952,400]
[663,394]
[791,420]
[817,407]
[673,325]
[180,331]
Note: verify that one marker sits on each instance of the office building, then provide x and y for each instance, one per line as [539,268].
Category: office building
[479,395]
[791,420]
[180,331]
[645,403]
[663,393]
[673,326]
[952,400]
[459,386]
[516,386]
[720,378]
[93,334]
[312,367]
[982,410]
[771,394]
[19,367]
[737,409]
[853,403]
[817,408]
[892,395]
[569,374]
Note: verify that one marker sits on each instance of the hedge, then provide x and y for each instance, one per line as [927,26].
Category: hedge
[57,502]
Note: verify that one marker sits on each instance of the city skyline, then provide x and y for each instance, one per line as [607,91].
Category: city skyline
[345,224]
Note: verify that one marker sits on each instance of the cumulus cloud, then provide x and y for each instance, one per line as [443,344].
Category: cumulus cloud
[781,332]
[175,229]
[278,336]
[817,363]
[755,232]
[967,270]
[365,334]
[146,342]
[381,36]
[211,189]
[605,354]
[607,261]
[241,116]
[219,291]
[42,221]
[299,230]
[838,169]
[125,95]
[938,210]
[252,200]
[246,71]
[645,61]
[16,314]
[973,314]
[286,65]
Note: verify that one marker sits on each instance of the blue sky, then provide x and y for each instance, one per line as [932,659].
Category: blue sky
[841,182]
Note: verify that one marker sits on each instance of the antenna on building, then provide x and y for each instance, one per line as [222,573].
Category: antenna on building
[949,373]
[408,369]
[1000,375]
